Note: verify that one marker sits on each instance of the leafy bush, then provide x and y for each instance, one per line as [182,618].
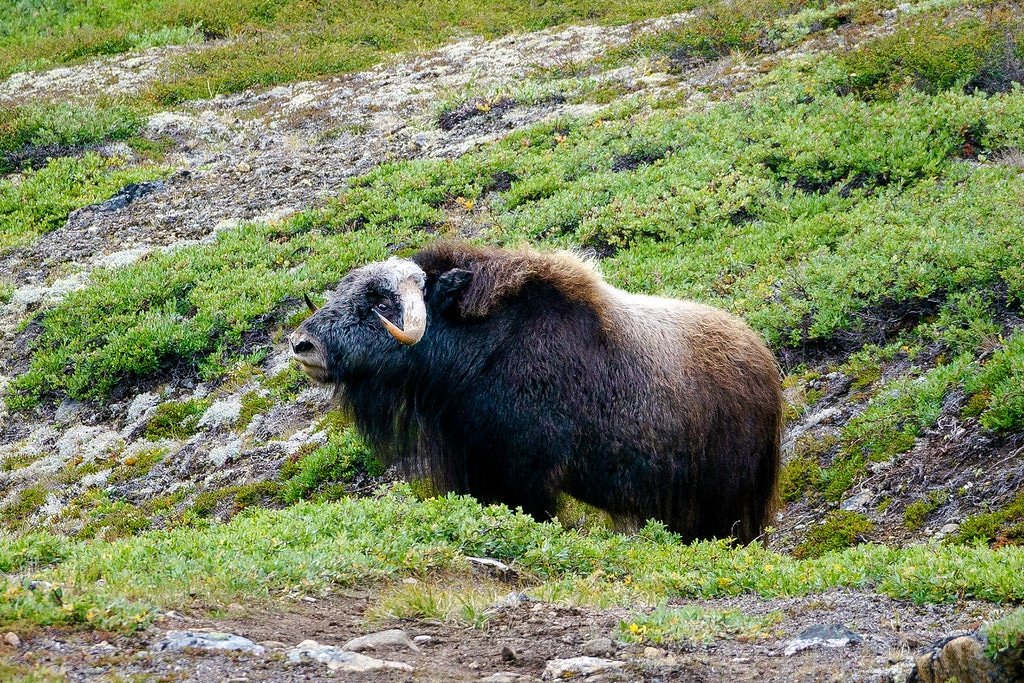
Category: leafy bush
[840,529]
[1001,382]
[698,624]
[176,419]
[337,461]
[933,55]
[1005,525]
[36,130]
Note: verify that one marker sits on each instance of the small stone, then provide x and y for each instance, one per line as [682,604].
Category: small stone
[140,405]
[337,659]
[95,479]
[67,411]
[181,640]
[508,654]
[599,647]
[579,666]
[12,639]
[962,659]
[381,640]
[822,635]
[223,413]
[300,101]
[654,653]
[505,677]
[494,568]
[220,455]
[423,640]
[87,443]
[512,600]
[858,502]
[272,644]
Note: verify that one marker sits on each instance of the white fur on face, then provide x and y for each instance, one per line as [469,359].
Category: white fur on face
[399,270]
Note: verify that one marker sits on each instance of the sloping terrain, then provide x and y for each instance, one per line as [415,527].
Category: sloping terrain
[848,177]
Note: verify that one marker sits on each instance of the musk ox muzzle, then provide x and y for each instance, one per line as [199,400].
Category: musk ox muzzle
[518,376]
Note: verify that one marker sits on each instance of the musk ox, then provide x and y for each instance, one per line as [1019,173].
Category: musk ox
[515,375]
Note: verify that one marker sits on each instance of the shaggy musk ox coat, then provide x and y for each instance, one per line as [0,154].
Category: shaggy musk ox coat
[517,375]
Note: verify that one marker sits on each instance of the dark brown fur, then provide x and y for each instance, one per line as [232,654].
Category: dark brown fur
[536,378]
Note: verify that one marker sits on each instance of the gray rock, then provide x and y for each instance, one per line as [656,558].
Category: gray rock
[222,454]
[221,414]
[128,194]
[961,659]
[88,443]
[140,405]
[423,640]
[497,569]
[381,640]
[511,600]
[67,411]
[858,502]
[579,666]
[54,505]
[12,639]
[822,635]
[180,640]
[337,659]
[506,677]
[96,478]
[599,647]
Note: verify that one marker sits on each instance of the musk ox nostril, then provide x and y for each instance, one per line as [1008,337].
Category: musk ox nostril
[302,346]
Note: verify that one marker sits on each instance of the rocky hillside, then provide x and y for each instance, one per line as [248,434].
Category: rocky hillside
[847,177]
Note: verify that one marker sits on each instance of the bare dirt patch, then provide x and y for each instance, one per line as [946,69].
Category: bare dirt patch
[522,640]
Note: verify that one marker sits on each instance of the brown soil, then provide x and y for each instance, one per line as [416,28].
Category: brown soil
[521,639]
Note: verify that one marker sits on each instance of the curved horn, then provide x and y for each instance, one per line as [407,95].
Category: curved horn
[414,314]
[309,303]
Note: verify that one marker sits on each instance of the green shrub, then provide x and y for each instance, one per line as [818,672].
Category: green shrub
[176,419]
[915,513]
[253,403]
[139,464]
[1005,525]
[696,624]
[241,497]
[933,55]
[61,129]
[339,460]
[25,504]
[800,476]
[1005,634]
[312,547]
[1000,384]
[840,529]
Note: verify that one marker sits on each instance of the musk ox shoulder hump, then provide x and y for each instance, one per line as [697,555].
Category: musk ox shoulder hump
[499,274]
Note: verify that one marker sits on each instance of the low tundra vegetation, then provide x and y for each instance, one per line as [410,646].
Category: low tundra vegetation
[30,133]
[40,201]
[270,43]
[316,547]
[809,212]
[698,624]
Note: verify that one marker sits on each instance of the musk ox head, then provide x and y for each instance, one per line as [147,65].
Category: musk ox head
[375,311]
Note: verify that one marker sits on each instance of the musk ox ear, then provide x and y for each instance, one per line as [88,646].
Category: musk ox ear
[449,287]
